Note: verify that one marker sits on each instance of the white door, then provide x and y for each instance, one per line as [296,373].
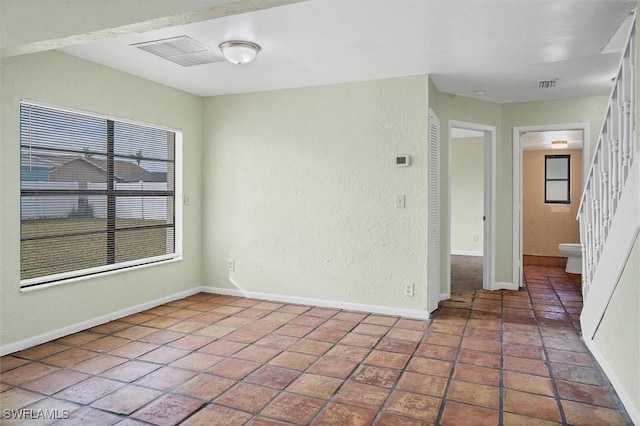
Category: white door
[434,276]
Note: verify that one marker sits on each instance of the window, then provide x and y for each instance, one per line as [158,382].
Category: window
[557,185]
[96,194]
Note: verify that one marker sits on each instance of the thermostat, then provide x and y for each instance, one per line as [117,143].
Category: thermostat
[402,160]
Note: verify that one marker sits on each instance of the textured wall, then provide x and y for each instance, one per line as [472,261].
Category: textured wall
[544,226]
[467,194]
[300,187]
[60,79]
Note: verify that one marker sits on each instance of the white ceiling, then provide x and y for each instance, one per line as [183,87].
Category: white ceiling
[532,141]
[499,47]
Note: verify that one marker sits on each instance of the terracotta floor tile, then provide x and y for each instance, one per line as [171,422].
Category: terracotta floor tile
[338,414]
[162,337]
[183,314]
[327,335]
[430,366]
[268,306]
[263,326]
[27,372]
[371,329]
[311,347]
[525,365]
[528,383]
[130,371]
[138,318]
[10,362]
[460,414]
[78,339]
[396,345]
[521,338]
[245,335]
[531,405]
[322,387]
[222,348]
[165,378]
[588,415]
[362,340]
[361,395]
[387,419]
[191,342]
[482,345]
[482,333]
[234,322]
[256,354]
[247,397]
[338,324]
[232,368]
[564,344]
[321,312]
[293,360]
[485,324]
[105,344]
[481,359]
[168,410]
[475,374]
[453,329]
[197,361]
[334,367]
[474,394]
[133,349]
[127,399]
[352,353]
[444,353]
[293,330]
[110,327]
[412,324]
[405,334]
[386,359]
[41,351]
[273,377]
[264,421]
[89,390]
[15,398]
[205,386]
[135,332]
[294,309]
[422,384]
[568,357]
[576,373]
[68,357]
[217,415]
[511,419]
[433,338]
[524,351]
[376,376]
[380,320]
[188,326]
[98,364]
[89,416]
[293,408]
[55,381]
[163,355]
[275,341]
[419,407]
[589,394]
[308,321]
[252,313]
[215,331]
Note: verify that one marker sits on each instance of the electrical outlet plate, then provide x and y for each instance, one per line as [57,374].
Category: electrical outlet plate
[408,290]
[231,265]
[400,201]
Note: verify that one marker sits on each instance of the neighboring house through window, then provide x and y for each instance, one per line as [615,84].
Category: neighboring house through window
[97,194]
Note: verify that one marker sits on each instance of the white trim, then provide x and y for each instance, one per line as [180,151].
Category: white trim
[445,296]
[517,182]
[626,400]
[376,309]
[504,286]
[74,328]
[466,253]
[489,250]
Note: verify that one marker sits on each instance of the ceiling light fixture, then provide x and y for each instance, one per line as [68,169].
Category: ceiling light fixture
[559,144]
[239,52]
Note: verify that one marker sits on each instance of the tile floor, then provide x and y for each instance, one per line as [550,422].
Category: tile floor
[495,358]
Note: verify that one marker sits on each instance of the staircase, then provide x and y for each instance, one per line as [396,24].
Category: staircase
[609,210]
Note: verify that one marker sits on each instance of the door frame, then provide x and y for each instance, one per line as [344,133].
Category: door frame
[518,270]
[489,246]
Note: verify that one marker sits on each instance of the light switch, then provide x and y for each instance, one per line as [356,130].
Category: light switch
[186,199]
[400,201]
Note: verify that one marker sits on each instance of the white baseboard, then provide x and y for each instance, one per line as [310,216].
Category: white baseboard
[74,328]
[445,296]
[377,309]
[466,253]
[622,394]
[505,286]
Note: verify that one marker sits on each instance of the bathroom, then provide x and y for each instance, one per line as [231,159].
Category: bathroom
[552,170]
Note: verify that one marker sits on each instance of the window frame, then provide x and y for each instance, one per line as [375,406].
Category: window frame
[44,281]
[548,157]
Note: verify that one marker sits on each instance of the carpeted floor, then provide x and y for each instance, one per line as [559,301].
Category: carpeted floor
[466,273]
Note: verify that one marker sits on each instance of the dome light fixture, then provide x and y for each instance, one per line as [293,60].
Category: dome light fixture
[559,144]
[239,52]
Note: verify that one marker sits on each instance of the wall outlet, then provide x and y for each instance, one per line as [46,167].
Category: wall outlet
[231,266]
[408,290]
[475,237]
[400,201]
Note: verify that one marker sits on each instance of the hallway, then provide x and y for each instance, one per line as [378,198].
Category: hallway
[510,358]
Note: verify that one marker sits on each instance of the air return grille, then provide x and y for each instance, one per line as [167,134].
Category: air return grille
[181,50]
[547,84]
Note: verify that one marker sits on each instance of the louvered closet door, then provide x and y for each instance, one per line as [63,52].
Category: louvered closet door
[434,213]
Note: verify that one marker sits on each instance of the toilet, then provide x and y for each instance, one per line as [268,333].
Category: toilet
[573,251]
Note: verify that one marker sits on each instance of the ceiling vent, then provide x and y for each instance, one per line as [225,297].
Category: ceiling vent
[547,84]
[181,50]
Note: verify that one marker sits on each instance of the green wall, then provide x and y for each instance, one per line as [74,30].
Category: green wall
[59,79]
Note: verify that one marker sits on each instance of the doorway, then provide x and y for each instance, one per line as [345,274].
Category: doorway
[539,138]
[470,241]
